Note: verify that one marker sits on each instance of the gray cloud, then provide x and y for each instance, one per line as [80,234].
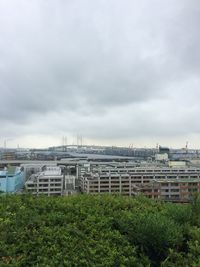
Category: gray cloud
[107,69]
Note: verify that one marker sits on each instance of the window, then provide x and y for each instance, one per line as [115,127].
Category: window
[192,190]
[174,190]
[54,189]
[192,184]
[165,184]
[43,180]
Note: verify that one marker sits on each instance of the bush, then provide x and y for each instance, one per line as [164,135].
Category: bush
[107,231]
[153,233]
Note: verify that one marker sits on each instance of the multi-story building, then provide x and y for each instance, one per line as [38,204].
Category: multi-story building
[33,168]
[11,179]
[172,190]
[155,182]
[50,181]
[8,155]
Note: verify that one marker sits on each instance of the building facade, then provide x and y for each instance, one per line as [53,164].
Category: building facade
[165,183]
[50,181]
[11,179]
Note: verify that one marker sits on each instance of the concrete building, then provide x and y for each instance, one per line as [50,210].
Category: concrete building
[177,164]
[178,190]
[33,168]
[8,155]
[161,157]
[50,181]
[11,179]
[155,182]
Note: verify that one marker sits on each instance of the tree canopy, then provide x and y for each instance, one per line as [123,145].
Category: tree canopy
[86,230]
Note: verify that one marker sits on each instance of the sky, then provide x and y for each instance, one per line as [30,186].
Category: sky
[114,72]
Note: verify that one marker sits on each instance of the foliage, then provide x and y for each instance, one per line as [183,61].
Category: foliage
[152,232]
[87,230]
[195,209]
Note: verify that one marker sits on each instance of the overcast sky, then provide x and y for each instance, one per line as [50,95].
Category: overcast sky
[116,72]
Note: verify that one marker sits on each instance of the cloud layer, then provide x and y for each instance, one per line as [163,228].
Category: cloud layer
[116,72]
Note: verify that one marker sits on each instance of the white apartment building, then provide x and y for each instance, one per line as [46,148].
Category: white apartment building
[50,181]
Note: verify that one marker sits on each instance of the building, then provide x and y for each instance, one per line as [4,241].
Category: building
[164,150]
[50,181]
[177,163]
[165,183]
[11,179]
[8,155]
[177,190]
[33,168]
[161,157]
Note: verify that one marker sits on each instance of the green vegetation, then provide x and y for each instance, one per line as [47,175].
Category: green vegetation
[98,231]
